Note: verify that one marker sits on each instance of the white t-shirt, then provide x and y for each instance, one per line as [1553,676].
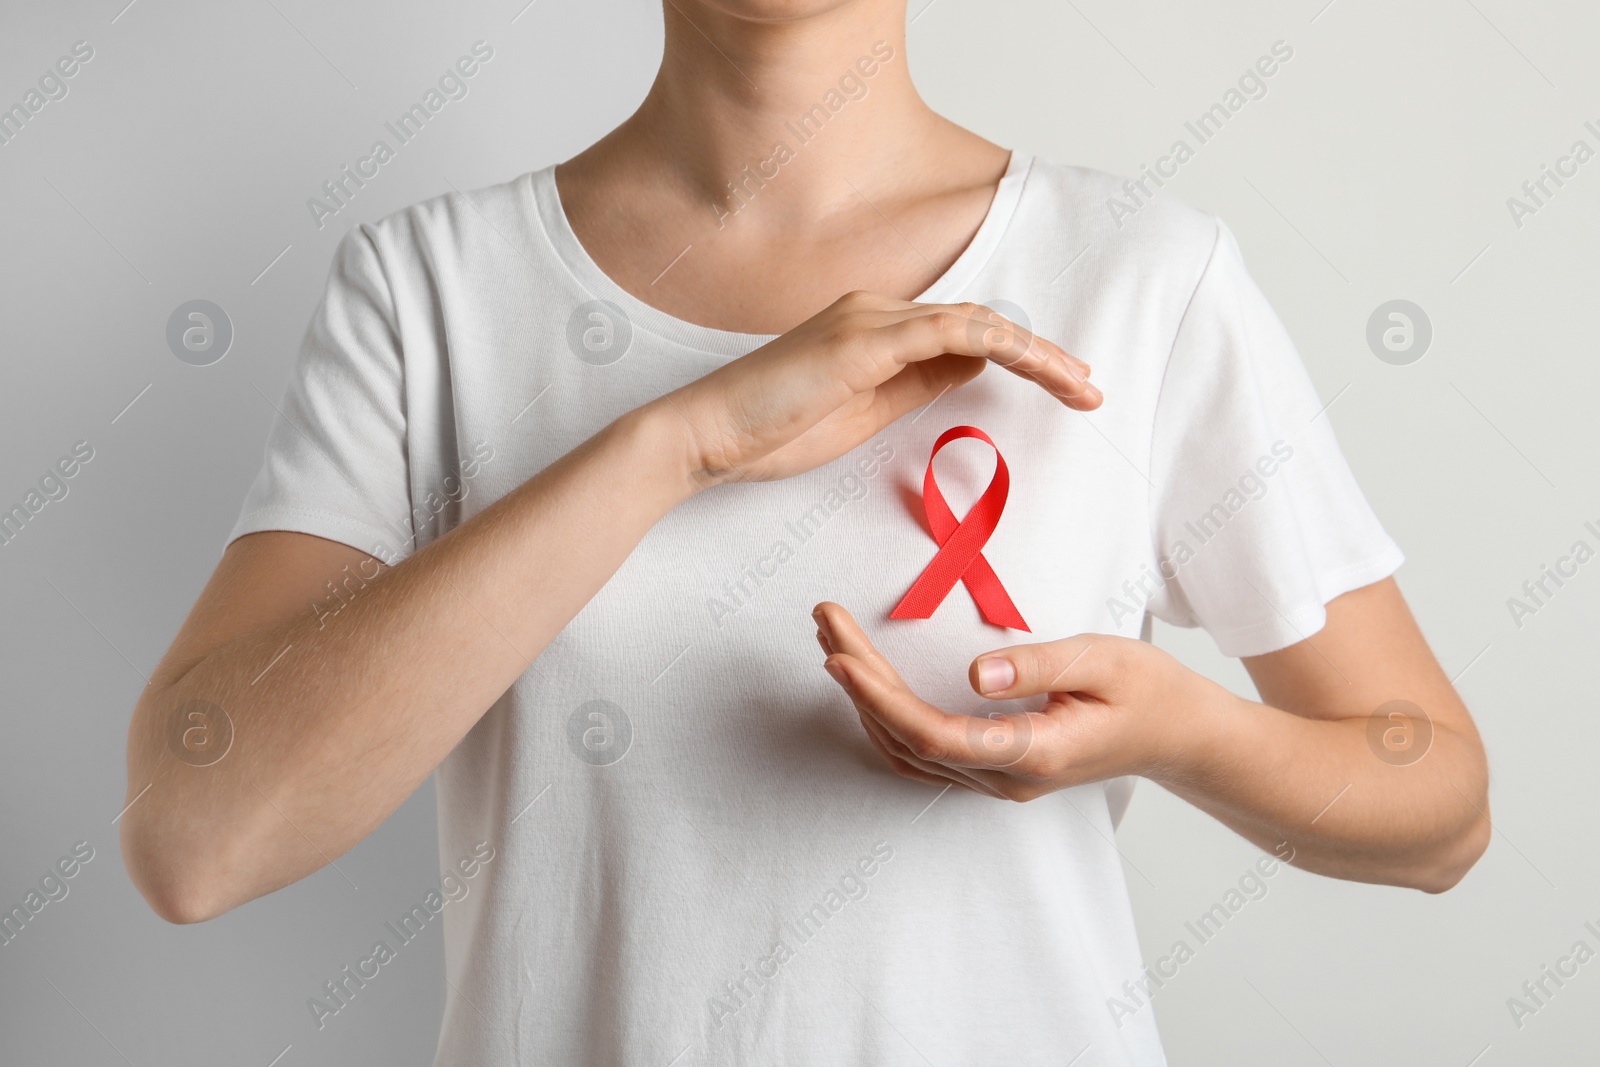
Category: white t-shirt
[697,852]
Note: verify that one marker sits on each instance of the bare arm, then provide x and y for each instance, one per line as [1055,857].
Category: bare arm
[1404,800]
[359,707]
[337,720]
[1306,766]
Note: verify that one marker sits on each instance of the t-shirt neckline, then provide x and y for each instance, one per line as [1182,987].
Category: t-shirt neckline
[564,243]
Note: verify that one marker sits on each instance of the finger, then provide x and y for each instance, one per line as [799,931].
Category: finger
[907,766]
[1085,663]
[851,656]
[873,684]
[922,336]
[983,318]
[930,735]
[1029,775]
[845,635]
[901,760]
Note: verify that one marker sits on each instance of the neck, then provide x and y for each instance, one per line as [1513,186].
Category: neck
[827,97]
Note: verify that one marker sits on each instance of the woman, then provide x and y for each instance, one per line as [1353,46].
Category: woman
[566,465]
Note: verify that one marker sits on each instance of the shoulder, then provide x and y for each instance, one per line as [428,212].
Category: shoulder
[1127,223]
[449,226]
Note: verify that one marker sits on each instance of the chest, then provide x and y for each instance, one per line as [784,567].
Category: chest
[734,572]
[723,587]
[743,267]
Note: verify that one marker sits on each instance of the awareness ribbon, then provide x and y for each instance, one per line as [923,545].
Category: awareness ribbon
[960,554]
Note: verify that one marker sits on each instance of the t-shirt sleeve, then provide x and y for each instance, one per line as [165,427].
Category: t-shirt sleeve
[1257,519]
[336,460]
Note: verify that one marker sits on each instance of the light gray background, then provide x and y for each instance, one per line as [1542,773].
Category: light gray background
[1377,168]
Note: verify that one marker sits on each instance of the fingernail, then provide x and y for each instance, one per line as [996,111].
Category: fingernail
[996,675]
[838,673]
[1091,393]
[1075,374]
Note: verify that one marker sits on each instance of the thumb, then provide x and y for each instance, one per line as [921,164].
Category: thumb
[1085,663]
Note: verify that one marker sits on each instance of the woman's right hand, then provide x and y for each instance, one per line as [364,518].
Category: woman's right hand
[841,376]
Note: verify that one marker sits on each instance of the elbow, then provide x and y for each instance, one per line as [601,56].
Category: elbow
[179,904]
[1456,858]
[179,892]
[1467,828]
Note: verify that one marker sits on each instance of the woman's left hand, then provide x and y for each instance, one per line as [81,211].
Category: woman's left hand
[1115,706]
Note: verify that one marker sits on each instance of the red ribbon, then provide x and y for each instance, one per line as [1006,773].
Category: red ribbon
[960,554]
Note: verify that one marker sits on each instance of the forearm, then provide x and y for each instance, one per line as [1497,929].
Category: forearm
[337,720]
[1318,784]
